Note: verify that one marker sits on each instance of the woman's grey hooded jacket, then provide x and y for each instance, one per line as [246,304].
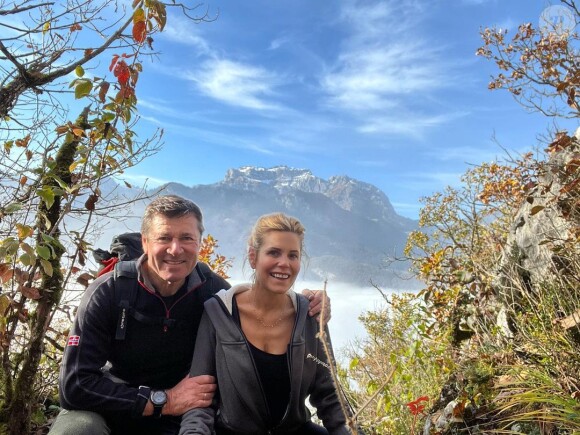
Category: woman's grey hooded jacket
[221,350]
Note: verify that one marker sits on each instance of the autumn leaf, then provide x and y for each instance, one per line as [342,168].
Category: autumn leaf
[113,62]
[103,89]
[139,32]
[83,88]
[121,71]
[5,272]
[30,292]
[416,407]
[84,279]
[138,16]
[91,201]
[24,231]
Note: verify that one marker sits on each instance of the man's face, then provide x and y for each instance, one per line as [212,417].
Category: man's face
[172,247]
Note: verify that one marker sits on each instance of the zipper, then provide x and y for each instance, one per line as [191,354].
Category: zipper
[249,350]
[168,310]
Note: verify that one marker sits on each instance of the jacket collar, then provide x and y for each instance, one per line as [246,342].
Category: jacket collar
[227,296]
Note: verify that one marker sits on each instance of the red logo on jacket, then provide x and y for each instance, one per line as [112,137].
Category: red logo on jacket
[73,340]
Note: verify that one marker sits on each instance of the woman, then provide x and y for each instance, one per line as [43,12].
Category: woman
[261,345]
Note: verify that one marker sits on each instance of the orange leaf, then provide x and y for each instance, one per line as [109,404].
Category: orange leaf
[139,32]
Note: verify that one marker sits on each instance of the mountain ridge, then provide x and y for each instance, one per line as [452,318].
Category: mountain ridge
[348,222]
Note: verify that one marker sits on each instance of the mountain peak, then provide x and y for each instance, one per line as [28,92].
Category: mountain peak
[349,194]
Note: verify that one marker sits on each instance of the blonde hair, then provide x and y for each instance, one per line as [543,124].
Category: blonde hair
[275,222]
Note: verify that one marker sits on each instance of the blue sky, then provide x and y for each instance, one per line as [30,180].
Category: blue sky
[388,92]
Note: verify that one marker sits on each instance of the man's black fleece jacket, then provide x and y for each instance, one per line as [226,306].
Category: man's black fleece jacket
[150,355]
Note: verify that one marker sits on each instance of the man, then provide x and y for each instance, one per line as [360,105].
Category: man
[125,365]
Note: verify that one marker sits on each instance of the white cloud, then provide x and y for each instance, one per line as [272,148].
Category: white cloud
[278,42]
[410,124]
[184,31]
[386,66]
[237,84]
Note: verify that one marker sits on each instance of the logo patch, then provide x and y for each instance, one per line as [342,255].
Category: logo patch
[73,340]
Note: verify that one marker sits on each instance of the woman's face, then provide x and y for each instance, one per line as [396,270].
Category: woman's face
[277,263]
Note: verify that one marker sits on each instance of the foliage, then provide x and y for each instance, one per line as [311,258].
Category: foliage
[461,238]
[396,363]
[537,66]
[56,171]
[208,255]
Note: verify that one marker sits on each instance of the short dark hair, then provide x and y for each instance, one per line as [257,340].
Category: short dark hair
[171,206]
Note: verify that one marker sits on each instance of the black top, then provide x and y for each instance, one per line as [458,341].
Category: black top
[274,376]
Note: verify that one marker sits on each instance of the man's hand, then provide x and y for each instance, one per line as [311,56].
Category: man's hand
[317,299]
[196,392]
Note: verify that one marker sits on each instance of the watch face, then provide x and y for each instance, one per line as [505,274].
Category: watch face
[158,397]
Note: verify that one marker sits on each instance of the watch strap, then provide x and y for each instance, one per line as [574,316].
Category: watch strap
[142,398]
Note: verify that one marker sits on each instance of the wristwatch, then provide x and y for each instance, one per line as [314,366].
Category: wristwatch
[158,399]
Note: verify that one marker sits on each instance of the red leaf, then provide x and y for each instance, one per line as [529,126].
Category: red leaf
[122,72]
[416,407]
[139,32]
[113,62]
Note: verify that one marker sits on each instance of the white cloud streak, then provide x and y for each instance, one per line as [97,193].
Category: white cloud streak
[183,31]
[237,84]
[384,66]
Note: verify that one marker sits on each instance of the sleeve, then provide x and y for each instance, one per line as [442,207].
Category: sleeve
[82,383]
[323,395]
[201,420]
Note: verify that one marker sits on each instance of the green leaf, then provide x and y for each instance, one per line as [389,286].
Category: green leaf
[26,260]
[43,252]
[52,241]
[46,266]
[354,363]
[47,195]
[13,207]
[11,245]
[83,88]
[8,146]
[79,71]
[4,303]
